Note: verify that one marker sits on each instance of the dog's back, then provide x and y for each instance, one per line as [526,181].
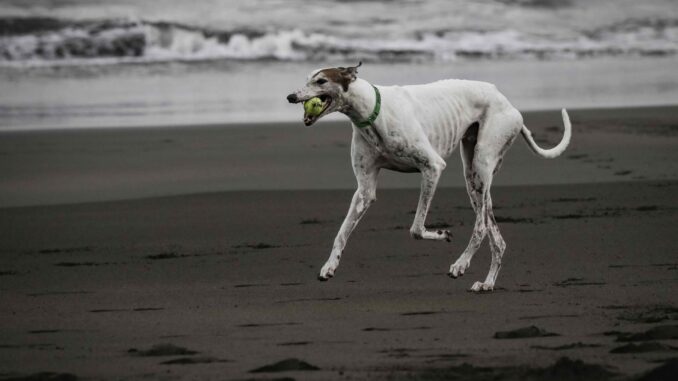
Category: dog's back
[444,109]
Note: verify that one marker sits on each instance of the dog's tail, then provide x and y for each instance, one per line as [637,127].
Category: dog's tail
[555,151]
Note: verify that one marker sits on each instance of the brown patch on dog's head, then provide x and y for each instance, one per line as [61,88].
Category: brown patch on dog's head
[341,75]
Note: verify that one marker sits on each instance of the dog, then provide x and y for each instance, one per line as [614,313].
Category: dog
[415,129]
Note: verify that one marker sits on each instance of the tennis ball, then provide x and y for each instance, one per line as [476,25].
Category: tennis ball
[313,106]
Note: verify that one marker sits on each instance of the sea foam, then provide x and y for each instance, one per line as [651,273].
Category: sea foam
[114,41]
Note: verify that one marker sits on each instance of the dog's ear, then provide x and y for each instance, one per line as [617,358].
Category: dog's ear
[354,69]
[349,74]
[351,70]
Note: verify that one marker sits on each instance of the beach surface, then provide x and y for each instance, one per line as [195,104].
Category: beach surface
[134,254]
[86,165]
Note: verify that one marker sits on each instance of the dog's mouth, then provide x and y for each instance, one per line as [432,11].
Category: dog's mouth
[309,119]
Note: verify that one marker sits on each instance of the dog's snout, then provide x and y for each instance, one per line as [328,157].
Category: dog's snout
[292,98]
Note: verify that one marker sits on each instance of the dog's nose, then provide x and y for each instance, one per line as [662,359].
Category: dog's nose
[292,98]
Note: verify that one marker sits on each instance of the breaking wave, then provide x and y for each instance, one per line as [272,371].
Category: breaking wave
[46,41]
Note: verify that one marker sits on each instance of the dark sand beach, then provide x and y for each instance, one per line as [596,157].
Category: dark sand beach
[131,254]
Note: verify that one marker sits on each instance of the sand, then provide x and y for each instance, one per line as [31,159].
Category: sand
[86,165]
[222,285]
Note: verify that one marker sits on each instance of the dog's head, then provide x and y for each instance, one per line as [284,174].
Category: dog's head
[330,85]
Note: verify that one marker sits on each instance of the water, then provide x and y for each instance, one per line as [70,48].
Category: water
[85,63]
[72,31]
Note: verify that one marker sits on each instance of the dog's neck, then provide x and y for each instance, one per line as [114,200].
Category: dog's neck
[359,100]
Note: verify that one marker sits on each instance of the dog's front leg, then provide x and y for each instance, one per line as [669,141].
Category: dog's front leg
[364,196]
[429,182]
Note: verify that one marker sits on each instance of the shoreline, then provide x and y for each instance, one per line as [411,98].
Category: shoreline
[332,121]
[326,122]
[242,92]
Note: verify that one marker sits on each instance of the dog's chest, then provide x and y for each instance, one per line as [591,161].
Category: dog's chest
[393,148]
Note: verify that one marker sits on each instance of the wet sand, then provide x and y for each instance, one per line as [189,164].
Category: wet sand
[222,285]
[74,166]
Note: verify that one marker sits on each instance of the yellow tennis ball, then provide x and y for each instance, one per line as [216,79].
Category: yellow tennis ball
[313,106]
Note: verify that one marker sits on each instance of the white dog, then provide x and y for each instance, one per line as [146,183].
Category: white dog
[415,129]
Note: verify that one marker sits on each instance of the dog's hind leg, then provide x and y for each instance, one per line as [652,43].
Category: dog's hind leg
[467,150]
[478,194]
[497,247]
[493,140]
[485,224]
[429,181]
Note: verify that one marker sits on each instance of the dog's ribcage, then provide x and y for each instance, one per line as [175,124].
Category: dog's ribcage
[445,109]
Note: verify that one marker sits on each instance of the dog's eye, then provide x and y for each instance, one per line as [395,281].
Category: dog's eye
[321,81]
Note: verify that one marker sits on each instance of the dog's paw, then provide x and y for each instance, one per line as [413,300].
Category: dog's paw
[445,234]
[481,287]
[435,235]
[459,268]
[327,271]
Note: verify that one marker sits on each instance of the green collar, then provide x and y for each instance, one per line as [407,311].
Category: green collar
[375,113]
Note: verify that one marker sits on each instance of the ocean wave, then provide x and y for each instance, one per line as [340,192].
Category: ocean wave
[44,41]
